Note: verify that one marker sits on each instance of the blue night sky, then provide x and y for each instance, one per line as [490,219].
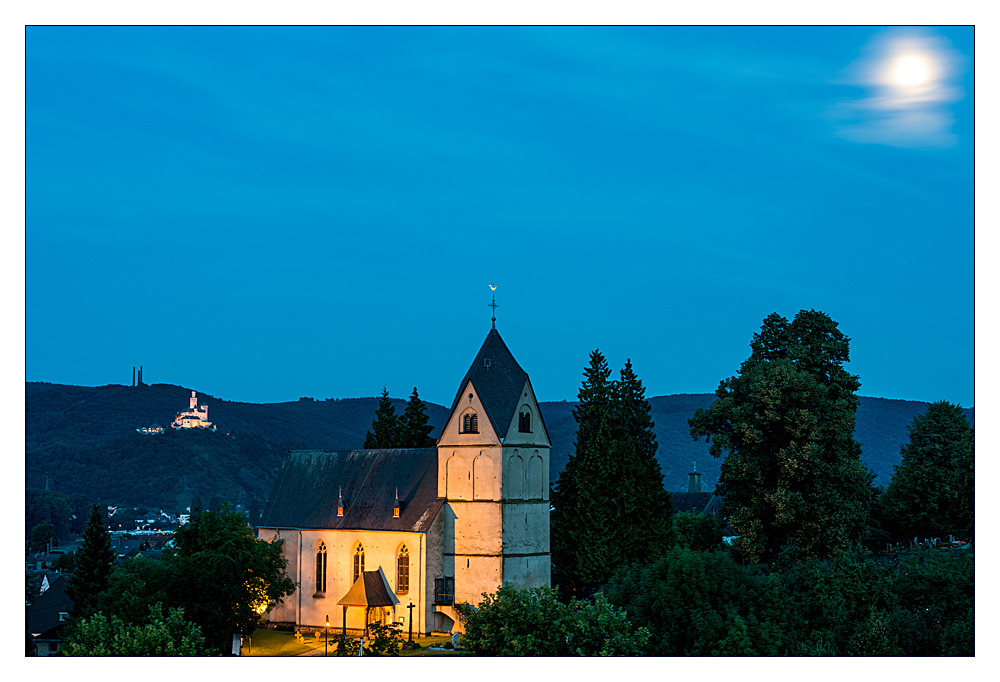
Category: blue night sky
[268,213]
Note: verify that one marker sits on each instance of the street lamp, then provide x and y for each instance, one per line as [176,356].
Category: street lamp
[326,640]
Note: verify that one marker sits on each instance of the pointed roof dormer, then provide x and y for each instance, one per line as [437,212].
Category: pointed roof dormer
[498,381]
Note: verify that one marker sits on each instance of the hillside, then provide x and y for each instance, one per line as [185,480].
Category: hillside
[84,440]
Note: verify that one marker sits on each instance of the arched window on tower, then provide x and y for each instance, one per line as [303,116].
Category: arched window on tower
[359,562]
[524,420]
[403,571]
[321,567]
[470,422]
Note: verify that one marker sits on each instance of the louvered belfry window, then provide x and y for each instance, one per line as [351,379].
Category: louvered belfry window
[470,423]
[524,423]
[359,563]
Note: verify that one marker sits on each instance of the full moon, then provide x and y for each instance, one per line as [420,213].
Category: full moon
[910,70]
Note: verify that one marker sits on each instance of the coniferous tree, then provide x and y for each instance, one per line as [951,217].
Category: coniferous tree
[785,422]
[93,563]
[610,506]
[415,432]
[644,504]
[386,425]
[582,521]
[931,490]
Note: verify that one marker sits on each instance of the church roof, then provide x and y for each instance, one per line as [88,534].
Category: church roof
[499,385]
[306,491]
[370,589]
[693,502]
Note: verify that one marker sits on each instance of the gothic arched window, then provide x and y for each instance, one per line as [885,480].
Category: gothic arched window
[524,421]
[470,422]
[403,571]
[359,562]
[321,567]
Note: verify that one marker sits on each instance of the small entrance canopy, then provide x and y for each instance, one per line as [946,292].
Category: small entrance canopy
[370,590]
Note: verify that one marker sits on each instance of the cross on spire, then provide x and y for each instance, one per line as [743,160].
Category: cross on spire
[494,305]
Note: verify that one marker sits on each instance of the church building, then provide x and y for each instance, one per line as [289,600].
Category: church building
[434,527]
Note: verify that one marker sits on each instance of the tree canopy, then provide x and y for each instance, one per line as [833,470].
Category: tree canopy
[609,504]
[932,489]
[223,576]
[792,470]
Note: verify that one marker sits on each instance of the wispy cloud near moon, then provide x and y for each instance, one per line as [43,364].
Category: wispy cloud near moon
[911,77]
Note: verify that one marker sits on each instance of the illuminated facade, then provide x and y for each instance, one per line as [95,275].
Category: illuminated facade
[444,524]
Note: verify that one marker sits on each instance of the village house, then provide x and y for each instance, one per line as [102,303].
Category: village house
[432,527]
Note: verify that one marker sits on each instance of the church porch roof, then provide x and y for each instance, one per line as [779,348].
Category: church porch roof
[370,589]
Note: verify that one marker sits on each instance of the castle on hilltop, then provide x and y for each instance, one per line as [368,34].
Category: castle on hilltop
[195,417]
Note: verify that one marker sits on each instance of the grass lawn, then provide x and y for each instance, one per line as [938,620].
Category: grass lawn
[281,643]
[278,643]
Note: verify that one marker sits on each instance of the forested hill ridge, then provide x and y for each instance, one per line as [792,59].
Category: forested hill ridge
[84,440]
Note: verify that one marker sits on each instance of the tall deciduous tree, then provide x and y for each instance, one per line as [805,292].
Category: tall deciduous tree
[415,432]
[223,576]
[93,563]
[385,426]
[931,490]
[610,506]
[785,423]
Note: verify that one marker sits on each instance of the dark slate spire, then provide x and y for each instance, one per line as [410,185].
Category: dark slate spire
[498,381]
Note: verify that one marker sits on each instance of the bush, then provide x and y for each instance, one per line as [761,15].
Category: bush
[532,622]
[689,601]
[100,636]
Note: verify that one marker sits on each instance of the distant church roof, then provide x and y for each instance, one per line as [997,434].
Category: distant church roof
[306,491]
[499,385]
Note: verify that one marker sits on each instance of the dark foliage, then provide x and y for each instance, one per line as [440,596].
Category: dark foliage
[42,537]
[533,622]
[94,561]
[46,506]
[386,426]
[932,491]
[415,431]
[695,530]
[609,504]
[703,603]
[785,423]
[223,576]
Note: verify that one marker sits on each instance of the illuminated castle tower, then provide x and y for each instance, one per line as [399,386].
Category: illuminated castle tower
[194,417]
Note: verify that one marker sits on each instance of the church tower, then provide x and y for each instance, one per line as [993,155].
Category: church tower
[493,471]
